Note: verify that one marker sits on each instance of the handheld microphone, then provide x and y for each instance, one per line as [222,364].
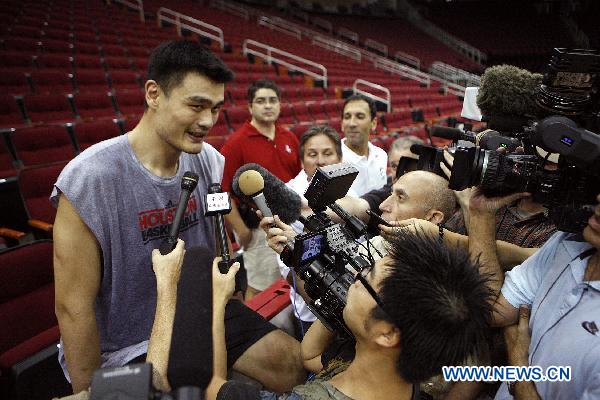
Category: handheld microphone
[188,184]
[267,191]
[252,184]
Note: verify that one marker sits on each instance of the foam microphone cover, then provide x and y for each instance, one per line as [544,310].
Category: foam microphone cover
[191,356]
[282,201]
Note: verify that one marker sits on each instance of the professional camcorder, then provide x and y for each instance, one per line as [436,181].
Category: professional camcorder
[568,99]
[327,257]
[134,382]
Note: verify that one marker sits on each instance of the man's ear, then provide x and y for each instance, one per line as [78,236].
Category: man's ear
[435,216]
[374,124]
[387,335]
[152,92]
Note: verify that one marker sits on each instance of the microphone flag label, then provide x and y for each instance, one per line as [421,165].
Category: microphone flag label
[155,224]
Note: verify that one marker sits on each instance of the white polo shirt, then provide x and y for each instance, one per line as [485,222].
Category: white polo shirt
[371,169]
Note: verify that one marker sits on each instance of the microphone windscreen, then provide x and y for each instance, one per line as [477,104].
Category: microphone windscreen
[282,201]
[508,90]
[190,356]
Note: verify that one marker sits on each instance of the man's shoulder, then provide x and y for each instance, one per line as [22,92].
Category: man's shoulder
[101,158]
[282,130]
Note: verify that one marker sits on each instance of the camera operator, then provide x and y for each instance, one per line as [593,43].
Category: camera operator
[405,331]
[561,285]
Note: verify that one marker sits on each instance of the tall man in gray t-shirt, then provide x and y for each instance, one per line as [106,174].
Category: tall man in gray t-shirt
[116,201]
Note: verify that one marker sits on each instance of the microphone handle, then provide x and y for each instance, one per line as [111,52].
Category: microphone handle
[261,203]
[169,243]
[222,237]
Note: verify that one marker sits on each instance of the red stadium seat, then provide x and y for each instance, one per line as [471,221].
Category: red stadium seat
[41,145]
[6,162]
[48,108]
[272,300]
[10,114]
[125,80]
[89,133]
[237,116]
[35,185]
[14,82]
[91,81]
[60,62]
[27,307]
[94,105]
[48,81]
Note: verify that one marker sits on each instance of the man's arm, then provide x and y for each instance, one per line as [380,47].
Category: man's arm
[77,281]
[482,246]
[314,344]
[235,221]
[223,287]
[167,269]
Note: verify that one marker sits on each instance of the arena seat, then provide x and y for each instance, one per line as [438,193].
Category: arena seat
[48,108]
[272,300]
[35,185]
[130,102]
[30,335]
[94,105]
[89,133]
[44,144]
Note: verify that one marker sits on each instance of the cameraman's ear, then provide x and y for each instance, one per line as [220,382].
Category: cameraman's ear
[388,336]
[435,216]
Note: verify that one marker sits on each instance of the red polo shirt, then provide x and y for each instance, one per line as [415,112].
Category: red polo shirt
[279,156]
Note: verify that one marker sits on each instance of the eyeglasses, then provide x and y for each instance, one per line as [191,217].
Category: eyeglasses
[262,101]
[362,277]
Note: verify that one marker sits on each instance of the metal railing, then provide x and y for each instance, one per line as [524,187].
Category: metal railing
[375,45]
[231,8]
[291,61]
[348,34]
[406,58]
[385,100]
[137,5]
[402,70]
[337,46]
[454,75]
[281,25]
[191,24]
[323,24]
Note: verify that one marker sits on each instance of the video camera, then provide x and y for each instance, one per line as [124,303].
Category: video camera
[134,382]
[570,90]
[327,257]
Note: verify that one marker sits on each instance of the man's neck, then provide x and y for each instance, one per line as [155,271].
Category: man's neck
[592,272]
[152,151]
[267,130]
[372,375]
[362,149]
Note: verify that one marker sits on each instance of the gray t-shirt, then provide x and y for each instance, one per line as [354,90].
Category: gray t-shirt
[130,211]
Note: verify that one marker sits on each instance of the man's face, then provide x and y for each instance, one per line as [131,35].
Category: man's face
[360,303]
[184,117]
[357,123]
[265,107]
[319,151]
[409,197]
[394,158]
[591,232]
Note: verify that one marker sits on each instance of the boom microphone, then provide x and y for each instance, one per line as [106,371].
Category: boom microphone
[269,193]
[188,184]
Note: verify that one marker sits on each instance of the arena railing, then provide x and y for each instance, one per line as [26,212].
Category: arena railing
[231,8]
[272,54]
[323,24]
[191,24]
[337,46]
[387,100]
[453,74]
[280,25]
[137,5]
[406,58]
[402,70]
[375,45]
[348,34]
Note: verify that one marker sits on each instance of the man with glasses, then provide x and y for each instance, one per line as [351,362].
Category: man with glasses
[408,319]
[262,141]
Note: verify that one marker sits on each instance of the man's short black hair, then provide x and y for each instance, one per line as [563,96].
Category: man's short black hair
[361,97]
[262,84]
[321,130]
[171,61]
[438,300]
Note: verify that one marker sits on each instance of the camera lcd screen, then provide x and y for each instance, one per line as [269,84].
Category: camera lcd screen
[311,248]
